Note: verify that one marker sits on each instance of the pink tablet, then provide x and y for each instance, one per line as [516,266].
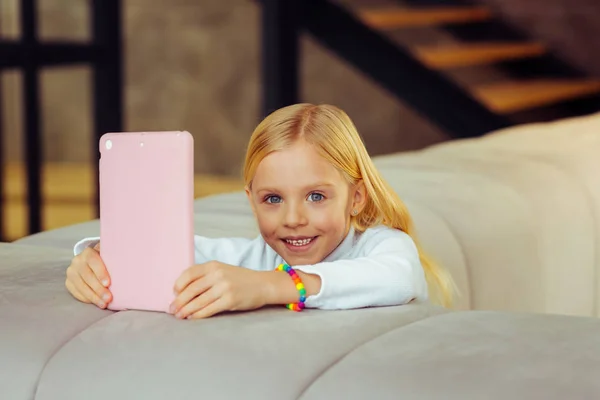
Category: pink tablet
[146,215]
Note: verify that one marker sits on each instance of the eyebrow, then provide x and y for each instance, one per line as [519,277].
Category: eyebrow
[313,186]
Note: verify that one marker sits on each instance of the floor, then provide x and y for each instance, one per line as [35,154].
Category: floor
[67,195]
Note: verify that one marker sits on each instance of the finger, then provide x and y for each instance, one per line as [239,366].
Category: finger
[97,265]
[99,269]
[75,293]
[89,277]
[217,306]
[198,303]
[80,283]
[192,291]
[97,247]
[188,276]
[87,293]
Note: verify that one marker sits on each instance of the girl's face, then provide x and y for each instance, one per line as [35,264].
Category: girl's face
[302,204]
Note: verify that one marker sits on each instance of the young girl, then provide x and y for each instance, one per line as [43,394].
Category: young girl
[333,234]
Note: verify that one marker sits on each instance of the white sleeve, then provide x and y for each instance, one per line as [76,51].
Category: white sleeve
[242,252]
[390,273]
[84,243]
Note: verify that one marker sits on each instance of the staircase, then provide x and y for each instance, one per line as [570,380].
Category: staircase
[501,46]
[481,76]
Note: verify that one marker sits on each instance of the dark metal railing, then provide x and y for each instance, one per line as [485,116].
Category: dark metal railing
[31,112]
[2,172]
[280,53]
[108,74]
[31,55]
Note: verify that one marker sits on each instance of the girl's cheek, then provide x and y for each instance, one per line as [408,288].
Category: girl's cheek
[328,218]
[267,225]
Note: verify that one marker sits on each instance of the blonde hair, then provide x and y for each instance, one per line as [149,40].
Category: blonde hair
[334,135]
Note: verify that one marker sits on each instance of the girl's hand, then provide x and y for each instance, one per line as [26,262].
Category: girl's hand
[213,287]
[88,279]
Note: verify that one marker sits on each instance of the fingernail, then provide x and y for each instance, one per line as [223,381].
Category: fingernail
[105,297]
[179,315]
[172,309]
[105,282]
[101,305]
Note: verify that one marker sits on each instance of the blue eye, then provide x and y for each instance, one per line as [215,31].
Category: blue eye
[316,197]
[273,199]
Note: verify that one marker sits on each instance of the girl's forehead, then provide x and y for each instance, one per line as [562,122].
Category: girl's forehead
[304,158]
[296,167]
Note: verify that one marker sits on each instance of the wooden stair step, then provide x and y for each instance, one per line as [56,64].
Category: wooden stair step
[467,55]
[400,17]
[514,96]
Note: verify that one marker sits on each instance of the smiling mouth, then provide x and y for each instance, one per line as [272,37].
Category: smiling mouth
[299,242]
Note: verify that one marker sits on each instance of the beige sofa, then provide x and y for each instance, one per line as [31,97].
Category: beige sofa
[515,215]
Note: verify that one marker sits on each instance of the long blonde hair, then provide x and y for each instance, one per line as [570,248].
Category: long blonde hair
[334,135]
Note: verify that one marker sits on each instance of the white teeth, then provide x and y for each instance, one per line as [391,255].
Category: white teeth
[302,242]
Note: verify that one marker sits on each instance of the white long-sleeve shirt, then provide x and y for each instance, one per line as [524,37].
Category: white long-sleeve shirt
[378,267]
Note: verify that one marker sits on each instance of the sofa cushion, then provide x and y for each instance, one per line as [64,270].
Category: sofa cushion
[54,347]
[571,145]
[472,355]
[37,315]
[532,215]
[271,353]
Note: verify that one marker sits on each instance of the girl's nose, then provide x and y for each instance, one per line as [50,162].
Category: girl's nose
[294,216]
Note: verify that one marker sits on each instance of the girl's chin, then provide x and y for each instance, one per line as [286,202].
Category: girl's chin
[297,259]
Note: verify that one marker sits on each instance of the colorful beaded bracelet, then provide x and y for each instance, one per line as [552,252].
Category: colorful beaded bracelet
[299,306]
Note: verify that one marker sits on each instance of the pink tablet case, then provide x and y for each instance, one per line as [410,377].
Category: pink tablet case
[146,215]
